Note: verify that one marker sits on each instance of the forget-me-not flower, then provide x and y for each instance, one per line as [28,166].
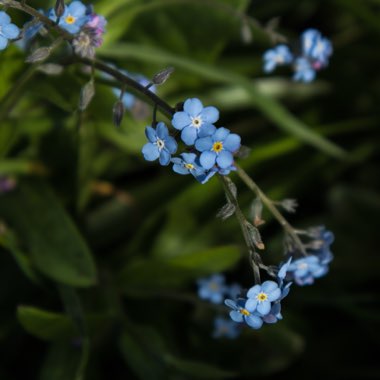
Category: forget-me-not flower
[225,328]
[244,312]
[304,270]
[187,164]
[8,31]
[74,17]
[161,145]
[195,120]
[218,148]
[316,47]
[279,55]
[261,296]
[303,70]
[212,288]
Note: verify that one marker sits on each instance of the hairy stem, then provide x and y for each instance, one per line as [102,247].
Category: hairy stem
[271,207]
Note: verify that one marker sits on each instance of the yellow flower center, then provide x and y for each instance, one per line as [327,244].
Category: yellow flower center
[302,266]
[189,166]
[214,286]
[244,312]
[70,19]
[217,147]
[262,297]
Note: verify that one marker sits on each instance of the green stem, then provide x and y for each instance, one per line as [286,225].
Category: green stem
[271,207]
[243,223]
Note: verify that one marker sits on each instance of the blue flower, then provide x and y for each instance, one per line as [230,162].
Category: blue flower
[160,144]
[304,270]
[323,238]
[261,296]
[8,31]
[303,70]
[73,18]
[218,148]
[243,312]
[195,120]
[212,288]
[225,328]
[316,47]
[279,55]
[203,178]
[274,315]
[187,164]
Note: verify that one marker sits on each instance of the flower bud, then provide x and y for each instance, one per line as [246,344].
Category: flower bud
[59,8]
[118,113]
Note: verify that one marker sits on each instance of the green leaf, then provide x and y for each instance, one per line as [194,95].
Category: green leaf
[45,324]
[273,110]
[40,222]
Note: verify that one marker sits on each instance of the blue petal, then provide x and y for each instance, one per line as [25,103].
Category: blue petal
[269,66]
[264,307]
[236,316]
[4,18]
[216,298]
[225,159]
[230,303]
[162,131]
[204,177]
[181,120]
[171,144]
[150,152]
[193,107]
[71,28]
[10,31]
[268,286]
[164,157]
[77,9]
[180,169]
[150,133]
[210,115]
[251,304]
[189,158]
[284,268]
[220,134]
[3,43]
[207,159]
[254,321]
[274,295]
[232,142]
[189,135]
[203,144]
[206,130]
[254,291]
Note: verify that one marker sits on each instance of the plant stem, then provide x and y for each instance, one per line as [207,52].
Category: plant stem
[243,223]
[271,207]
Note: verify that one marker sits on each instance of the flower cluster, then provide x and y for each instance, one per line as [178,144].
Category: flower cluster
[314,55]
[212,148]
[82,21]
[8,31]
[304,270]
[262,302]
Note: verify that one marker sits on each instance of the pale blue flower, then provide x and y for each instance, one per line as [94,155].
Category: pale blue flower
[8,31]
[225,328]
[278,56]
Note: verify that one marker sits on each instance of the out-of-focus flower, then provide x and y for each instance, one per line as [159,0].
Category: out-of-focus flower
[225,328]
[8,31]
[278,56]
[212,288]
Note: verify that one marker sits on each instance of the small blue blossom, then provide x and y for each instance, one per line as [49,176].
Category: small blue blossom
[304,270]
[161,145]
[187,164]
[8,31]
[243,312]
[279,55]
[316,47]
[321,245]
[74,17]
[303,70]
[195,120]
[261,296]
[225,328]
[218,149]
[212,288]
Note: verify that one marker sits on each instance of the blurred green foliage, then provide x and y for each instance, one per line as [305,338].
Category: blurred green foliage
[100,250]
